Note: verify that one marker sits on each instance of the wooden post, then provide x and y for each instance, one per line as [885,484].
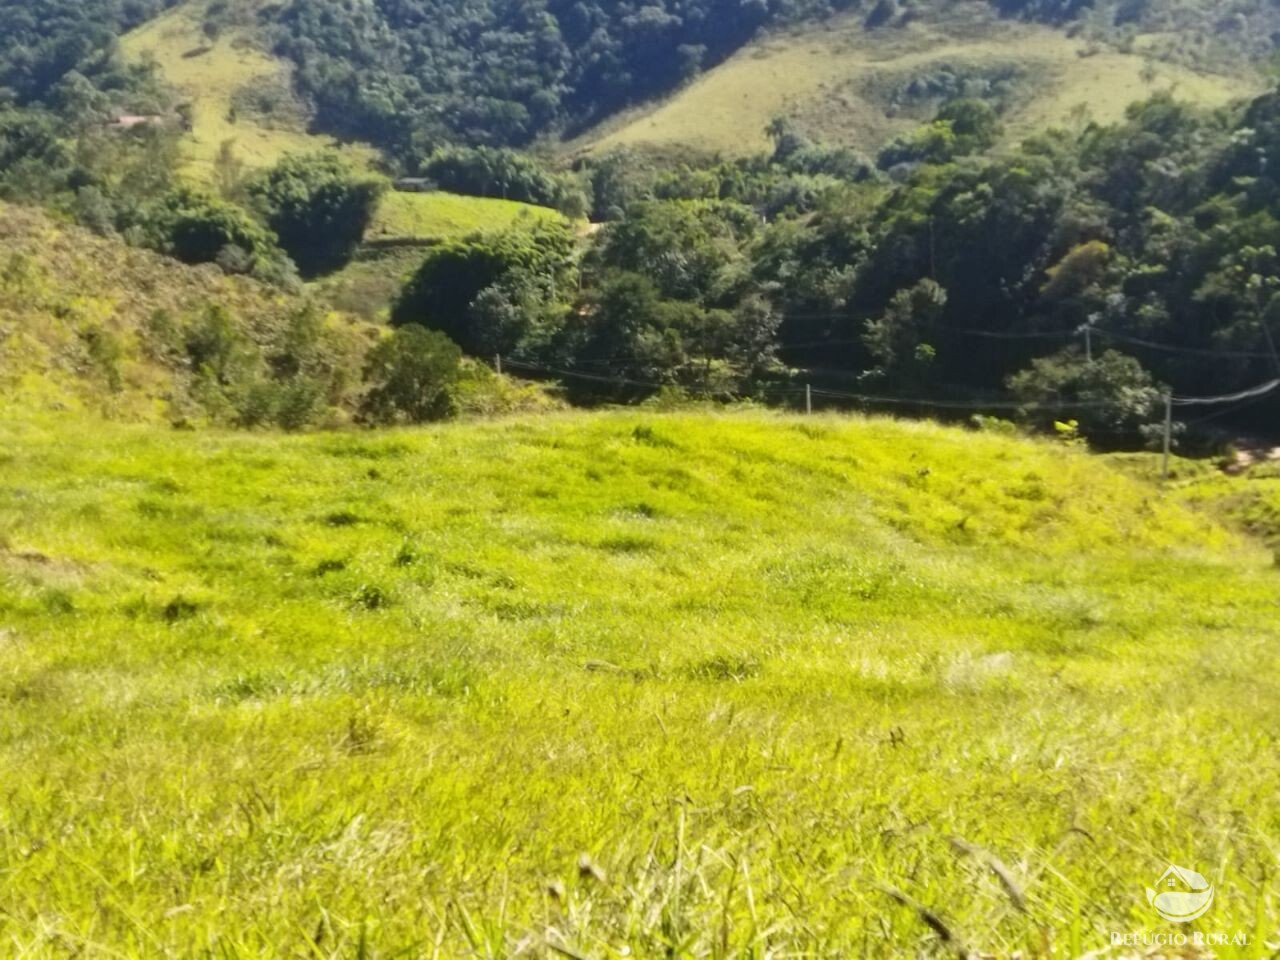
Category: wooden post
[808,399]
[497,362]
[1168,435]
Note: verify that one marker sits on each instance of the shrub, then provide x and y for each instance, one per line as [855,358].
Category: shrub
[1108,400]
[319,208]
[197,228]
[488,293]
[411,376]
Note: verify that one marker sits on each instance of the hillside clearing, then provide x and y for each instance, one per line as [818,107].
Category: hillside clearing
[213,74]
[831,78]
[439,215]
[218,75]
[616,684]
[370,283]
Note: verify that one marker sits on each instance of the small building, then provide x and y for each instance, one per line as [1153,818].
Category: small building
[129,121]
[415,185]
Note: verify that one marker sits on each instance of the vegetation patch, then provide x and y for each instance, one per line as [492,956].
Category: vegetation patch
[753,690]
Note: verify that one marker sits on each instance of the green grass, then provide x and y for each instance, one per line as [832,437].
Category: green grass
[1249,500]
[209,74]
[830,78]
[443,215]
[352,694]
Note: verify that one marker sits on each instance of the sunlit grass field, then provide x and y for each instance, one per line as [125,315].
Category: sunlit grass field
[209,73]
[619,684]
[828,80]
[442,215]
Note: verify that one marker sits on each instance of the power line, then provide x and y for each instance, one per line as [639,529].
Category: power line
[1258,391]
[974,404]
[937,404]
[1171,348]
[1226,411]
[1242,398]
[994,335]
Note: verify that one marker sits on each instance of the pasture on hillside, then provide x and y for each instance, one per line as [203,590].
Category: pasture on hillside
[242,96]
[834,82]
[620,684]
[220,77]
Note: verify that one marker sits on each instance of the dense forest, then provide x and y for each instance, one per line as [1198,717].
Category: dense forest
[409,73]
[46,45]
[504,71]
[957,277]
[1081,275]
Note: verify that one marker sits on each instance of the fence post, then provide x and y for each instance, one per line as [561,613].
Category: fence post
[1168,435]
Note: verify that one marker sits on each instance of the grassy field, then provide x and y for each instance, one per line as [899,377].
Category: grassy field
[618,684]
[441,215]
[213,74]
[830,80]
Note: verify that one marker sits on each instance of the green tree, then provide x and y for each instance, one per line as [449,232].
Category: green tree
[197,228]
[410,376]
[898,338]
[318,207]
[523,275]
[1114,399]
[975,124]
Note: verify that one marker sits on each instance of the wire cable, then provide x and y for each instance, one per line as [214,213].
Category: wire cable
[1258,391]
[1170,348]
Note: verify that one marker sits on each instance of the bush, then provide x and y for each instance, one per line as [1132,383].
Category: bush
[488,293]
[319,208]
[1112,400]
[411,376]
[197,228]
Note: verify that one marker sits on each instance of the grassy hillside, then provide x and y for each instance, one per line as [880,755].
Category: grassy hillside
[440,215]
[1248,500]
[617,684]
[95,323]
[220,78]
[845,84]
[242,95]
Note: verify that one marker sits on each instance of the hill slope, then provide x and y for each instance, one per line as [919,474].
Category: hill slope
[238,93]
[241,96]
[612,683]
[93,322]
[842,83]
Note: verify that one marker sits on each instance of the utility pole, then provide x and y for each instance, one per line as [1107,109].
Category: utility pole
[1087,329]
[808,399]
[1168,434]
